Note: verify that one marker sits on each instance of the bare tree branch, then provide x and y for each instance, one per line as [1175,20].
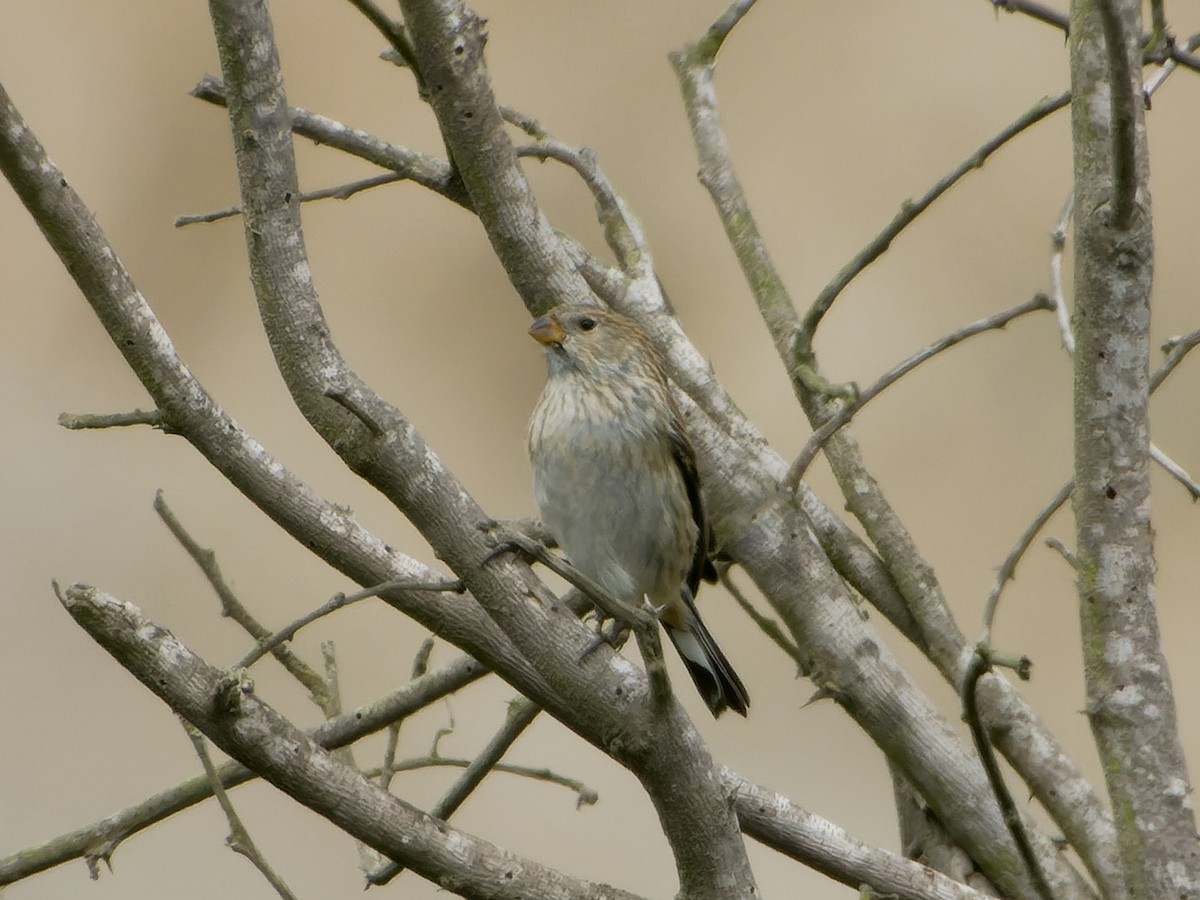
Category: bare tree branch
[805,560]
[1123,112]
[776,549]
[1129,699]
[239,839]
[1039,11]
[338,192]
[910,210]
[660,745]
[520,716]
[980,663]
[233,608]
[906,581]
[849,410]
[1008,569]
[324,527]
[99,840]
[234,719]
[270,643]
[785,827]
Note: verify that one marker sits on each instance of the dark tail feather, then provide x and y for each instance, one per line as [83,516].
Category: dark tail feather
[718,684]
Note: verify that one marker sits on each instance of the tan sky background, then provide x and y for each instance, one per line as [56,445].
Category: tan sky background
[836,112]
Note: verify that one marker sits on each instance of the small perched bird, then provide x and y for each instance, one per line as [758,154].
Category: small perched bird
[616,482]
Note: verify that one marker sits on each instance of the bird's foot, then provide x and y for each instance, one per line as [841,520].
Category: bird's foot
[615,635]
[653,610]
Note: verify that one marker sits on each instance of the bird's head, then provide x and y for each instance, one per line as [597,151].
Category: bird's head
[592,340]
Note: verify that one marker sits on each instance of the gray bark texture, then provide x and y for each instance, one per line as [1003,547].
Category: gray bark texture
[1129,700]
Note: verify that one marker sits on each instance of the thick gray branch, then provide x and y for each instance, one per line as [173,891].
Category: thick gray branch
[601,698]
[100,839]
[448,40]
[1129,698]
[221,706]
[908,594]
[767,534]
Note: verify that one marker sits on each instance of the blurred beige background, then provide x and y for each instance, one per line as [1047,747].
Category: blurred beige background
[836,113]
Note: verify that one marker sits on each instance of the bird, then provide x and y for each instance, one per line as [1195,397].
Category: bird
[616,482]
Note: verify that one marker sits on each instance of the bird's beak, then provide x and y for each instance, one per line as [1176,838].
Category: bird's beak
[547,332]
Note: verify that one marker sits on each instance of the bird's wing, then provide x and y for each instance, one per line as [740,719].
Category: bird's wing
[685,458]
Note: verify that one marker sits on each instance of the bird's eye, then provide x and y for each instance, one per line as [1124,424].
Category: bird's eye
[587,324]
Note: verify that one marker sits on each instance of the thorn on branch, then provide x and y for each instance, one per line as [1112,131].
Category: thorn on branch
[766,625]
[824,692]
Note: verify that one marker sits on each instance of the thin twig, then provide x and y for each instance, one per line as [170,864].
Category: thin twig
[368,857]
[978,667]
[96,842]
[521,714]
[910,210]
[420,168]
[1058,240]
[714,38]
[80,421]
[622,231]
[1035,10]
[1008,568]
[1062,21]
[695,70]
[1176,348]
[233,608]
[525,123]
[239,840]
[818,438]
[1175,470]
[1157,79]
[766,625]
[336,602]
[419,667]
[337,192]
[395,35]
[584,795]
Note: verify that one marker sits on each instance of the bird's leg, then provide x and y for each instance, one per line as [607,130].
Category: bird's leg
[650,644]
[653,610]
